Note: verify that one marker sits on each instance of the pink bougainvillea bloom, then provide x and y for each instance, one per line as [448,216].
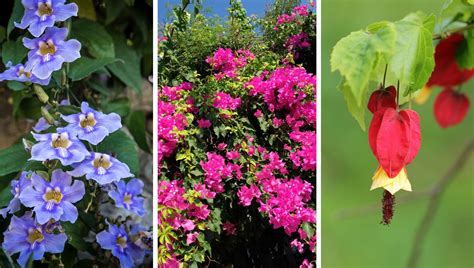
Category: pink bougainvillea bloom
[251,150]
[258,113]
[306,264]
[246,194]
[225,102]
[229,228]
[231,155]
[188,225]
[301,10]
[221,146]
[191,238]
[204,123]
[298,245]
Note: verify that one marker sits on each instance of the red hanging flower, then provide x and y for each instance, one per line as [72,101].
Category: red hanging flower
[450,107]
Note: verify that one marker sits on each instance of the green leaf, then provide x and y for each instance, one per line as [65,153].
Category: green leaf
[13,51]
[127,70]
[5,197]
[120,106]
[129,2]
[459,9]
[84,66]
[359,54]
[3,33]
[17,14]
[12,159]
[94,37]
[123,148]
[136,124]
[465,52]
[308,229]
[76,233]
[413,61]
[68,109]
[15,86]
[357,111]
[113,9]
[86,9]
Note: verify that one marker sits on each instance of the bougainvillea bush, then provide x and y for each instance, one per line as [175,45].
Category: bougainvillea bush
[70,189]
[237,140]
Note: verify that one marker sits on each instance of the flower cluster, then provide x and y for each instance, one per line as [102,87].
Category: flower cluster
[225,63]
[196,180]
[297,42]
[299,11]
[52,199]
[49,49]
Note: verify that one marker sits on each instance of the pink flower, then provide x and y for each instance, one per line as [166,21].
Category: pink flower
[231,155]
[251,150]
[301,10]
[221,146]
[246,194]
[188,225]
[225,101]
[258,113]
[306,264]
[298,245]
[277,122]
[204,123]
[191,238]
[229,228]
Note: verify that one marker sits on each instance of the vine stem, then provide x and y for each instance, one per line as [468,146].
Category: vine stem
[461,29]
[433,205]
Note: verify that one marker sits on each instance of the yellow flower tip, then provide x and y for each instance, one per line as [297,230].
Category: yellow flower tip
[393,185]
[423,95]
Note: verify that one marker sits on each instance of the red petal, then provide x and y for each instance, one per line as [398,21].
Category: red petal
[374,130]
[447,72]
[393,142]
[413,120]
[450,108]
[382,98]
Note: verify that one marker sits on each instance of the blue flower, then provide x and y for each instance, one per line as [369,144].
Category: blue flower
[102,168]
[24,235]
[127,196]
[41,14]
[17,186]
[91,125]
[22,73]
[60,145]
[53,200]
[41,125]
[49,52]
[120,243]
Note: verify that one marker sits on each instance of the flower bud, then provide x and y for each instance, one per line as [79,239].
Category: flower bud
[47,116]
[42,96]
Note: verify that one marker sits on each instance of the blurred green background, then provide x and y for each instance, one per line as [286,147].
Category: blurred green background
[353,238]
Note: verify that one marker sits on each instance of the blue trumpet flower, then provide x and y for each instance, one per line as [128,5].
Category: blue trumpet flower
[127,196]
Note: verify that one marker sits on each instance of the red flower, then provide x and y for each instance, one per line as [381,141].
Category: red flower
[450,107]
[382,98]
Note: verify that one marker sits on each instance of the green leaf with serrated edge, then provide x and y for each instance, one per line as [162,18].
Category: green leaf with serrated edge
[123,148]
[13,51]
[94,38]
[12,159]
[17,14]
[465,52]
[357,111]
[84,66]
[413,61]
[136,124]
[358,54]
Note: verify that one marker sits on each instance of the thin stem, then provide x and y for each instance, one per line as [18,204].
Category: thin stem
[384,76]
[398,93]
[433,205]
[462,29]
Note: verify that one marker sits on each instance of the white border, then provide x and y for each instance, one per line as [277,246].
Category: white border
[318,133]
[155,129]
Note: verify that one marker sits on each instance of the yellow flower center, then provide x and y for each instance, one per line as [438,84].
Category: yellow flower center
[22,71]
[88,121]
[121,241]
[53,196]
[101,162]
[60,141]
[44,9]
[127,199]
[47,48]
[35,235]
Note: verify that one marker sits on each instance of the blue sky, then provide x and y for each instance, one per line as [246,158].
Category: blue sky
[217,7]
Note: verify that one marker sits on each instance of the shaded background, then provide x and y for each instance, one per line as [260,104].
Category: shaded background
[356,239]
